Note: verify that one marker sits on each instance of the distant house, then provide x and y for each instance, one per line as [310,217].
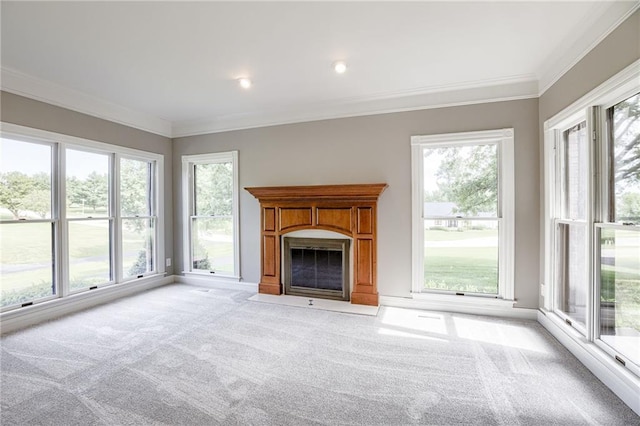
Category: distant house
[441,211]
[445,213]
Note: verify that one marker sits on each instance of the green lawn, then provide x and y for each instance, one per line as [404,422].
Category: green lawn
[25,256]
[214,241]
[220,254]
[462,261]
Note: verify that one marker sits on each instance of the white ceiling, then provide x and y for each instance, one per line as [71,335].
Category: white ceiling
[171,67]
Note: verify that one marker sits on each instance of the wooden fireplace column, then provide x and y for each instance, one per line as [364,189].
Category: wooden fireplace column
[348,209]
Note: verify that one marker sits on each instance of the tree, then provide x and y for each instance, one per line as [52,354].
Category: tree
[38,201]
[628,207]
[214,189]
[468,177]
[14,187]
[134,187]
[92,191]
[142,265]
[626,124]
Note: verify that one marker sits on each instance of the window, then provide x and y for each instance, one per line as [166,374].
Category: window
[138,217]
[618,257]
[74,215]
[27,224]
[572,233]
[592,175]
[463,213]
[89,220]
[210,190]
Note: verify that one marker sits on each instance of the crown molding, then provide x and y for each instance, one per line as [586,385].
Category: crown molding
[513,88]
[599,27]
[18,83]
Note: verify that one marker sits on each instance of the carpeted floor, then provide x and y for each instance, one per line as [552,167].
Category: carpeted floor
[183,355]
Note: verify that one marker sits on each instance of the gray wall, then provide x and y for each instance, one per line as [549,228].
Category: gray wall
[617,51]
[39,115]
[334,152]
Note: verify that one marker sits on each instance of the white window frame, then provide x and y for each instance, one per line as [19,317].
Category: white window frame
[556,170]
[114,251]
[188,163]
[504,138]
[154,214]
[54,220]
[591,107]
[62,142]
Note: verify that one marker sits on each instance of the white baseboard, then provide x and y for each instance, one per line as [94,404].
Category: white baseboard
[216,282]
[622,382]
[30,315]
[460,304]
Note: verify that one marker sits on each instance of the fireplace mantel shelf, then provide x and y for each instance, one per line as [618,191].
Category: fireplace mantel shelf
[348,209]
[369,191]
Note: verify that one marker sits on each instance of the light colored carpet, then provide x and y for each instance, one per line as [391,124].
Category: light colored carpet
[183,355]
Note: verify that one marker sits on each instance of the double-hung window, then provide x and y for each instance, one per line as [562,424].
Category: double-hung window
[570,222]
[463,213]
[75,215]
[210,202]
[89,218]
[592,214]
[28,221]
[138,216]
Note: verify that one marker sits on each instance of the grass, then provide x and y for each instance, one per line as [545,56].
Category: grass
[220,254]
[215,241]
[462,261]
[26,248]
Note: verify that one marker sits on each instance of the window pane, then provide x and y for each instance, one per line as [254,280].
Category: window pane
[25,180]
[87,184]
[461,256]
[89,253]
[461,181]
[620,291]
[213,189]
[26,262]
[138,247]
[625,119]
[135,187]
[212,240]
[572,272]
[576,166]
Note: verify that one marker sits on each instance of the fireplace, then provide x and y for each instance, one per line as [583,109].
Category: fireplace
[350,210]
[316,267]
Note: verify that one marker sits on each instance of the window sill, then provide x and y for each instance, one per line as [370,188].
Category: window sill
[29,315]
[466,299]
[213,281]
[623,382]
[475,305]
[209,276]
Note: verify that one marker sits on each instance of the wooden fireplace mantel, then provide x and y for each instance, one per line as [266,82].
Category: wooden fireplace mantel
[348,209]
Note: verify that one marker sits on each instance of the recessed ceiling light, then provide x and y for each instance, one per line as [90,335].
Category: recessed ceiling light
[244,82]
[340,67]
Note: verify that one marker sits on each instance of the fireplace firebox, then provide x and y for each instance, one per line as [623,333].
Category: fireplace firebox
[316,267]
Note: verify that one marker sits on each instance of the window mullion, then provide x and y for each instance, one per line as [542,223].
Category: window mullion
[593,141]
[114,202]
[418,215]
[63,232]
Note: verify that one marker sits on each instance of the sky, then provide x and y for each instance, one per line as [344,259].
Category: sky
[31,158]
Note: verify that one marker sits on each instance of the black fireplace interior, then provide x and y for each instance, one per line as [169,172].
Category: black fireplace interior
[317,267]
